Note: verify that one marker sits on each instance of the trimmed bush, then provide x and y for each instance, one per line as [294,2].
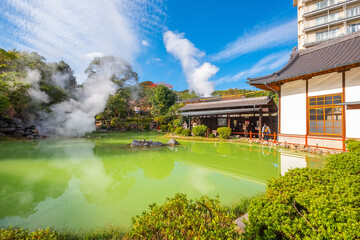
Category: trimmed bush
[224,132]
[164,128]
[181,218]
[310,203]
[186,132]
[211,135]
[200,130]
[178,130]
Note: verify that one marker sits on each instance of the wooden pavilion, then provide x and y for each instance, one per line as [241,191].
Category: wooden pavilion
[242,115]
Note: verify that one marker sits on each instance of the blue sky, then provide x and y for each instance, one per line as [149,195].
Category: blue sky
[199,44]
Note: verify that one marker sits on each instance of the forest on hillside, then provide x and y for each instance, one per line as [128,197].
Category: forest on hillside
[32,89]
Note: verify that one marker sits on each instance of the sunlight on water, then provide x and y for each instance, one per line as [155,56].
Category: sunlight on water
[89,183]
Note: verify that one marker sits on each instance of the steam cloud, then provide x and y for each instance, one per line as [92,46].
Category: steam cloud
[75,117]
[197,75]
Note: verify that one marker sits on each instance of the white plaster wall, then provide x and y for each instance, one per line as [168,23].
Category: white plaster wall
[330,83]
[293,107]
[352,94]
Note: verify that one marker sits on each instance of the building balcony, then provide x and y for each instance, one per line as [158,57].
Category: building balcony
[314,39]
[332,19]
[323,5]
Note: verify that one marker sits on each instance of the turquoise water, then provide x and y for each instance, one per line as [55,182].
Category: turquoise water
[101,181]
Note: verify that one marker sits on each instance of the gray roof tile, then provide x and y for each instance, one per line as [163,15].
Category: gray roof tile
[334,53]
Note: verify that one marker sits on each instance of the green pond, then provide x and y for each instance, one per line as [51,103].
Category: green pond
[100,181]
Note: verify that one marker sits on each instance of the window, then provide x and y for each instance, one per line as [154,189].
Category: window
[354,28]
[325,116]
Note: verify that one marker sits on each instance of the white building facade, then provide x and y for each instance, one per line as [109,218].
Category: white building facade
[319,94]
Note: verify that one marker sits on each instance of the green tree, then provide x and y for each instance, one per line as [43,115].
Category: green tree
[162,99]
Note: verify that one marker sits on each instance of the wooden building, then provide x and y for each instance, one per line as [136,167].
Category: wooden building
[319,93]
[237,114]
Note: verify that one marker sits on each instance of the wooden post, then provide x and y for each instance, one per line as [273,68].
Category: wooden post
[250,135]
[274,137]
[228,118]
[306,140]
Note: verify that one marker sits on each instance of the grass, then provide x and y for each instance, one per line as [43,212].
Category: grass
[240,206]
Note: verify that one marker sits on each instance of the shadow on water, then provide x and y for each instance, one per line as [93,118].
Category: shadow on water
[89,183]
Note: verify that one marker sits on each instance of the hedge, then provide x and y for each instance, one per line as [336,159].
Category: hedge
[311,203]
[164,128]
[224,132]
[200,130]
[186,132]
[181,218]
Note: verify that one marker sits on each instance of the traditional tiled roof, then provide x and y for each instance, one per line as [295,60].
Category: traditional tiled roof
[332,54]
[219,112]
[227,104]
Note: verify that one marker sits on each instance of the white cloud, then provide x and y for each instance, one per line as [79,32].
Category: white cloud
[145,43]
[197,75]
[271,62]
[76,30]
[260,39]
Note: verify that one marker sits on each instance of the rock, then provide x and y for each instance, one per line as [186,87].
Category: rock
[282,145]
[173,142]
[18,134]
[103,130]
[2,135]
[30,127]
[157,144]
[135,143]
[292,147]
[150,142]
[7,130]
[4,124]
[146,145]
[30,137]
[240,222]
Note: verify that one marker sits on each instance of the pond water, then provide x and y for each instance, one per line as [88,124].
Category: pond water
[101,181]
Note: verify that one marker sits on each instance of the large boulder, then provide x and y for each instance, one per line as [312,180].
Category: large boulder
[135,143]
[8,130]
[157,144]
[4,124]
[173,142]
[2,135]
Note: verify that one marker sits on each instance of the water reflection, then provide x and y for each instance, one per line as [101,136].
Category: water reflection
[87,183]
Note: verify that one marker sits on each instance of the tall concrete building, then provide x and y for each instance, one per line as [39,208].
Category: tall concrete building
[319,21]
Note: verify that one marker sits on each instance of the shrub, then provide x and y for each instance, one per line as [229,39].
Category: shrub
[186,132]
[200,130]
[164,128]
[353,145]
[146,126]
[177,123]
[20,233]
[224,132]
[310,203]
[172,130]
[181,218]
[178,131]
[211,135]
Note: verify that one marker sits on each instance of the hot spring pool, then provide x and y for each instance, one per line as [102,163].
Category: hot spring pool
[100,181]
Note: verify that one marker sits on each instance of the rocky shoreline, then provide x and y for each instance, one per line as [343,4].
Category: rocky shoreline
[15,128]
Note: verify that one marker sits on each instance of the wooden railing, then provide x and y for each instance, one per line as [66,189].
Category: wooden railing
[273,137]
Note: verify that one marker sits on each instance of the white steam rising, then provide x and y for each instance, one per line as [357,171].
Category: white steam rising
[197,75]
[33,78]
[75,117]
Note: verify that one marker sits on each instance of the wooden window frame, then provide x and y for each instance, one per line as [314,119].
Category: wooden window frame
[324,106]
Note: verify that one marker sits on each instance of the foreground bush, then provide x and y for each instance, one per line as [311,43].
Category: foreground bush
[180,218]
[20,233]
[211,135]
[311,203]
[186,132]
[199,130]
[224,132]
